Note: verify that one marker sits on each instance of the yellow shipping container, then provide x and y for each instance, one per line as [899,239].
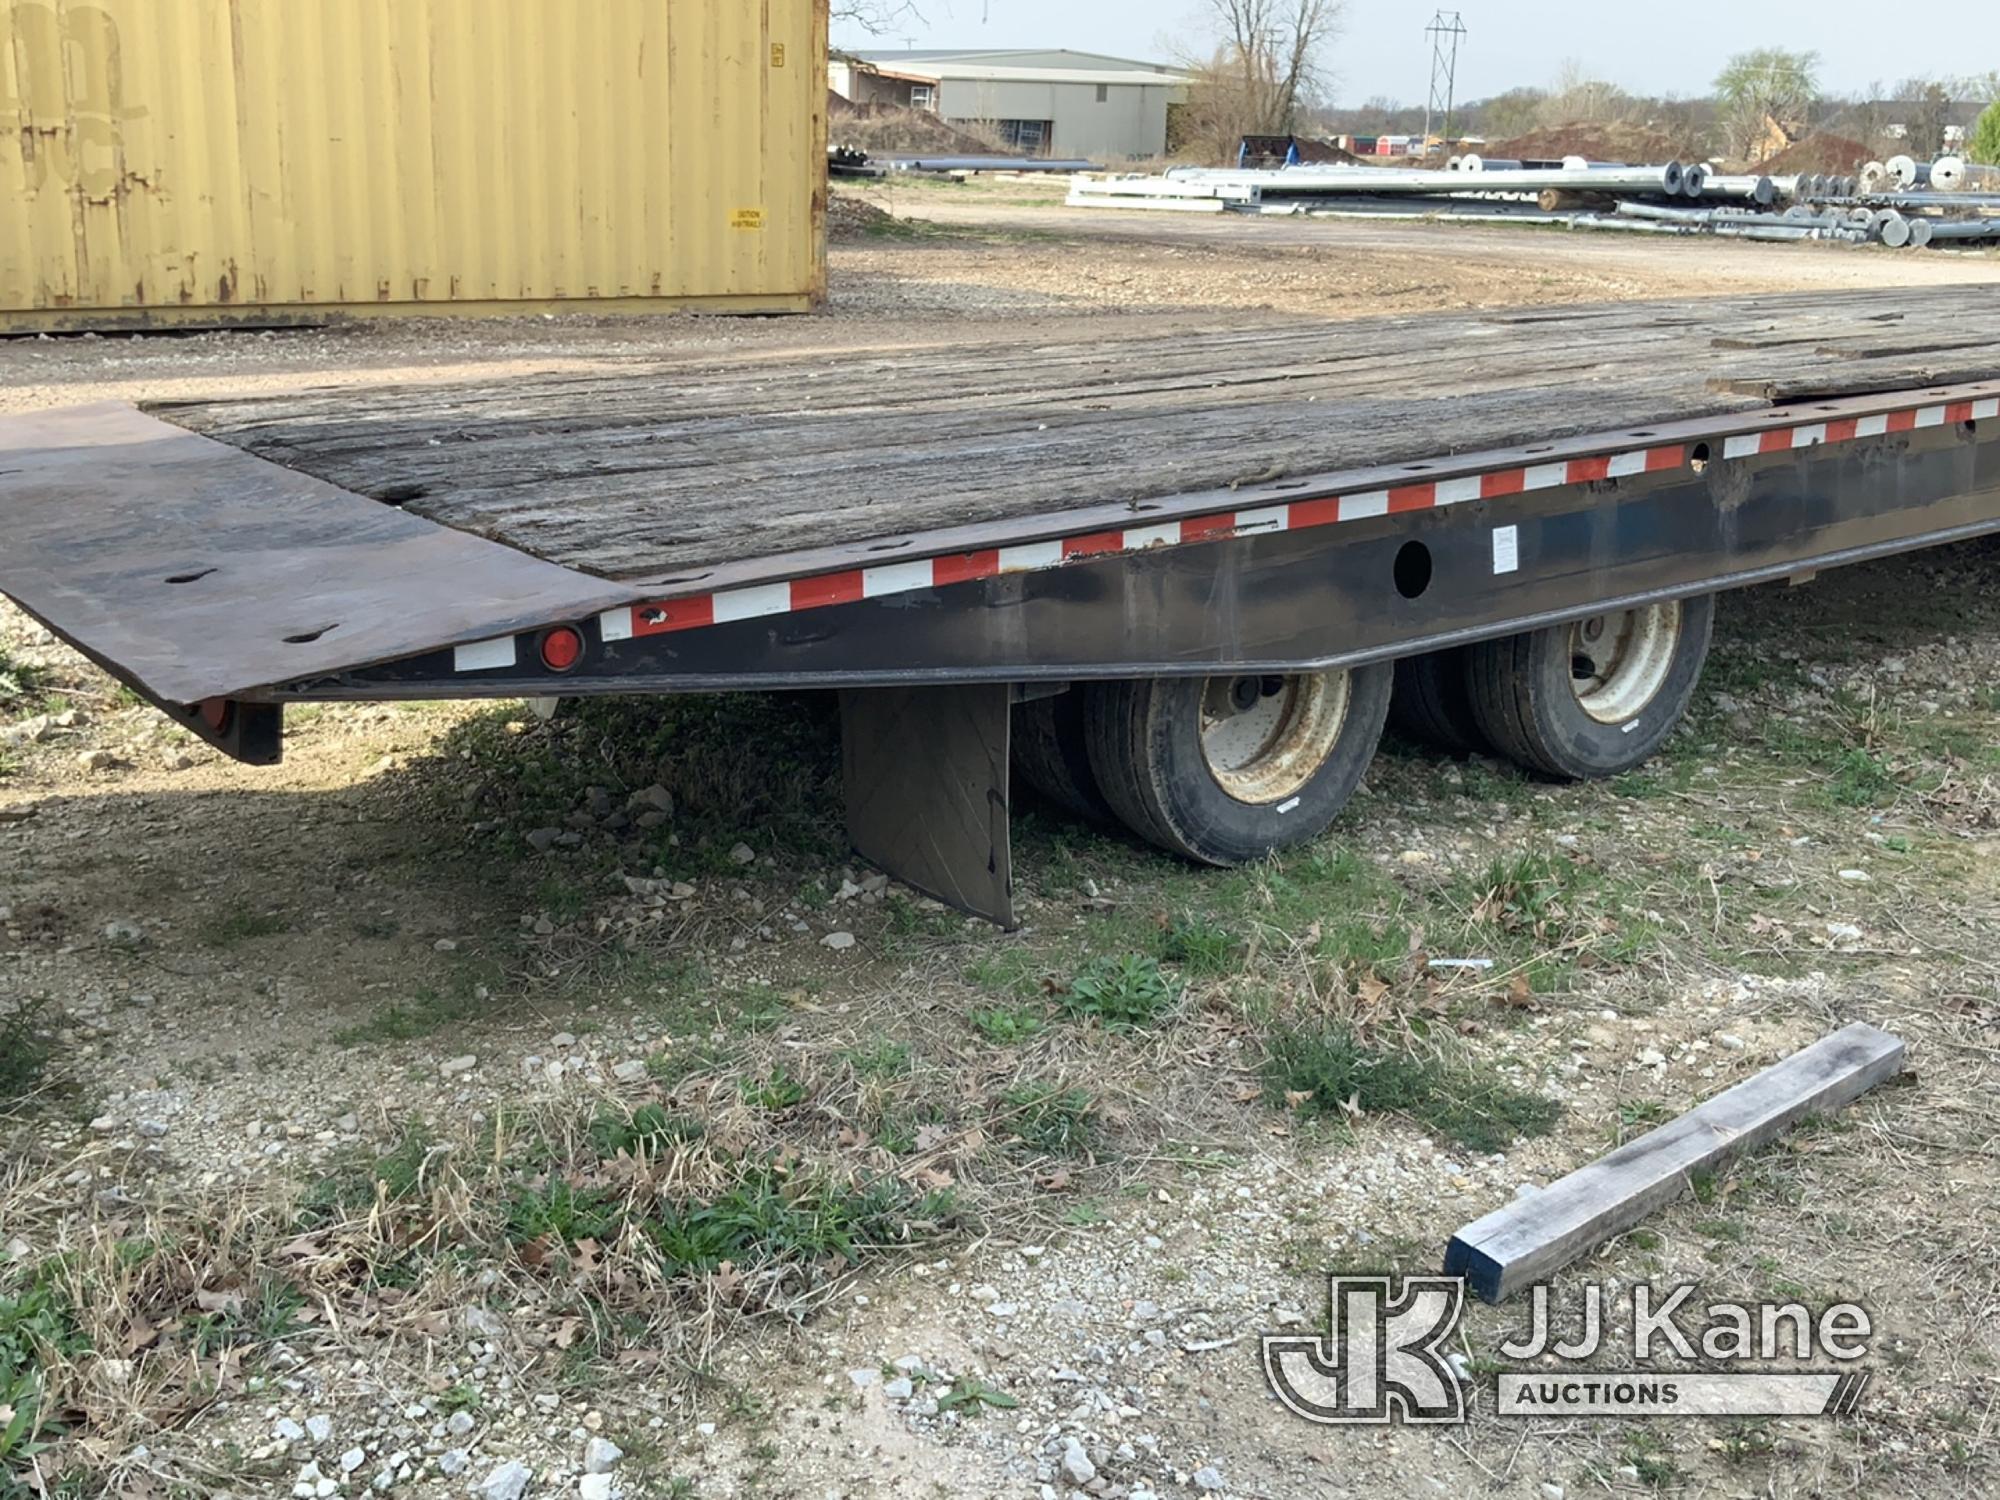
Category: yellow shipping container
[213,162]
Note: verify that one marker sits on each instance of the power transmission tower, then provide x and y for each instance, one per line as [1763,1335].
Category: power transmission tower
[1446,31]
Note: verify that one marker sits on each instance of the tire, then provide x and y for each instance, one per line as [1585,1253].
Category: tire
[1432,704]
[1532,701]
[1051,756]
[1163,749]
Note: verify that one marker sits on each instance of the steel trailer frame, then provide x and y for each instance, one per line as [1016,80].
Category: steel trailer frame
[931,637]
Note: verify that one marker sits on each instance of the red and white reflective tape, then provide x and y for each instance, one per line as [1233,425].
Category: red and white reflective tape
[859,584]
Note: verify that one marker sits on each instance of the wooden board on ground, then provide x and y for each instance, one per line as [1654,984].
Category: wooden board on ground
[1533,1237]
[660,469]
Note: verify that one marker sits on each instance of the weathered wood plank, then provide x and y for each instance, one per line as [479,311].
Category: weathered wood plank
[1532,1237]
[670,466]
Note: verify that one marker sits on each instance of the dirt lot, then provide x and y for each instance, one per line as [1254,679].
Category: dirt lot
[477,1091]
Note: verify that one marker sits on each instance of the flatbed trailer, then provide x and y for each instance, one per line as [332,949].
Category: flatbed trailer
[1176,580]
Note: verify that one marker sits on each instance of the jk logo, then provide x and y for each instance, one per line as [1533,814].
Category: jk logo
[1385,1361]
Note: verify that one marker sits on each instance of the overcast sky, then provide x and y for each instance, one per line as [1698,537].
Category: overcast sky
[1382,50]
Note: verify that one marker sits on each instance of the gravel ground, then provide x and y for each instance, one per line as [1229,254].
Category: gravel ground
[438,923]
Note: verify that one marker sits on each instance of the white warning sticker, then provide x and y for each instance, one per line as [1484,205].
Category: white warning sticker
[1506,550]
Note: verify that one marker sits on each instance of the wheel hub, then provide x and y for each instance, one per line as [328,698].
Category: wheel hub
[1620,662]
[1265,738]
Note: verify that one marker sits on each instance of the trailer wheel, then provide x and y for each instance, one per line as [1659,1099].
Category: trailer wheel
[1229,769]
[1595,698]
[1052,757]
[1432,704]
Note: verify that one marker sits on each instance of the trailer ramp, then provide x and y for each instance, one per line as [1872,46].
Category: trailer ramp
[197,572]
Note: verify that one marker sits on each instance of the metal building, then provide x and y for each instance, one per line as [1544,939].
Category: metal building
[1045,102]
[218,162]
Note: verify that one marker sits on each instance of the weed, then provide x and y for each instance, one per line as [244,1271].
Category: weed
[701,1057]
[1648,1453]
[1327,1071]
[25,1050]
[777,1091]
[973,1396]
[1122,993]
[463,996]
[1860,779]
[1202,948]
[646,1131]
[770,1215]
[358,1187]
[1007,1025]
[1050,1120]
[880,1060]
[559,1211]
[20,686]
[37,1328]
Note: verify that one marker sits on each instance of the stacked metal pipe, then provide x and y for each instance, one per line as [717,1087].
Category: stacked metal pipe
[1897,203]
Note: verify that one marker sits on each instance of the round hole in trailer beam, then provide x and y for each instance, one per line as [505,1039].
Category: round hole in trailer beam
[1413,570]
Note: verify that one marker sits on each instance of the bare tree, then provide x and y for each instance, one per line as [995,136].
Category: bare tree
[1265,65]
[876,17]
[1578,99]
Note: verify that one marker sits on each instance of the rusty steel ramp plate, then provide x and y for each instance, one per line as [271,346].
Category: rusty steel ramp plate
[197,571]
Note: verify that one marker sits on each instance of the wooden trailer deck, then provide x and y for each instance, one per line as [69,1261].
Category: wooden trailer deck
[658,471]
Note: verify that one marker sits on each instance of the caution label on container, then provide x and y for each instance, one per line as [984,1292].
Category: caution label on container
[747,218]
[777,54]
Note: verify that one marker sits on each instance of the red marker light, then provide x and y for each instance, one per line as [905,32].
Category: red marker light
[562,648]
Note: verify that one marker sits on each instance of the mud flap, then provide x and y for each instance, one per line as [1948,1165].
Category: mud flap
[927,794]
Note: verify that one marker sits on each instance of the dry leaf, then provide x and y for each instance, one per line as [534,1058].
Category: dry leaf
[1249,1093]
[930,1177]
[1057,1181]
[930,1137]
[1297,1098]
[219,1302]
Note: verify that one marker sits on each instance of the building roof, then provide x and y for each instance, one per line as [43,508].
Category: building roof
[1019,64]
[876,70]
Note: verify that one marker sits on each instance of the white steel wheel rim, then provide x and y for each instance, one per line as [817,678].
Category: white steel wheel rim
[1619,662]
[1265,738]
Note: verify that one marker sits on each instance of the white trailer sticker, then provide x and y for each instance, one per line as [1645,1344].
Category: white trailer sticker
[1506,550]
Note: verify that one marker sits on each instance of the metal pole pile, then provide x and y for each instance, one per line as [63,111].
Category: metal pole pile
[1898,203]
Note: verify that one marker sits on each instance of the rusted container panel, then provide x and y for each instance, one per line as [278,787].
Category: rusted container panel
[175,162]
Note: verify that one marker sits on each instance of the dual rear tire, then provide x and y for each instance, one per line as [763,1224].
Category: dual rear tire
[1575,702]
[1226,770]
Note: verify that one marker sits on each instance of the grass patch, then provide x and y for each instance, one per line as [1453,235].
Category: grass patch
[1050,1120]
[1008,1025]
[433,1008]
[227,929]
[772,1214]
[37,1329]
[880,1060]
[1201,948]
[22,687]
[776,1092]
[648,1131]
[25,1050]
[1327,1071]
[1122,993]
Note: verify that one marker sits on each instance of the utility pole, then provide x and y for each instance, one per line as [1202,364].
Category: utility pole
[1446,30]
